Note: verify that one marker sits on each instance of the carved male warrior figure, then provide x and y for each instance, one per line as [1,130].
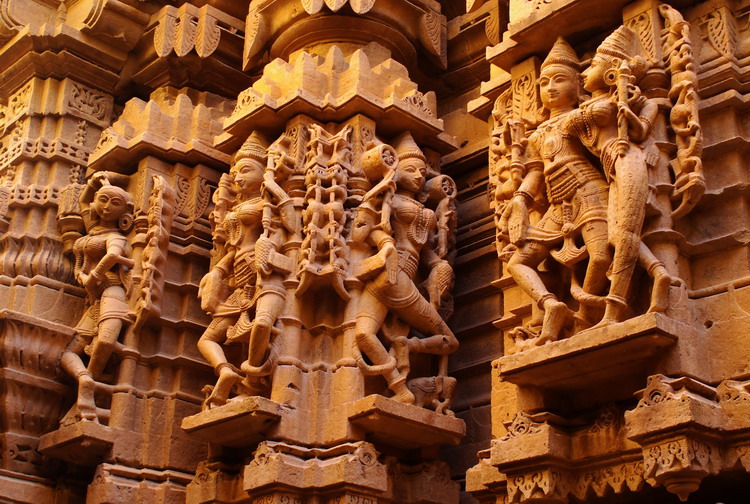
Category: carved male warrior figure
[558,163]
[102,266]
[612,124]
[405,235]
[253,234]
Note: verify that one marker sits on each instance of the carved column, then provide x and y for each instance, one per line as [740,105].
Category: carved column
[333,124]
[571,342]
[56,102]
[161,152]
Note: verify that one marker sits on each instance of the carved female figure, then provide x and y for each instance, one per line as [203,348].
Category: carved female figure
[557,163]
[102,265]
[247,268]
[408,235]
[612,124]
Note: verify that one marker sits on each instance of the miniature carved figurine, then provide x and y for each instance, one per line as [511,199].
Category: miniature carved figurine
[102,266]
[684,117]
[405,236]
[507,170]
[253,234]
[558,164]
[434,391]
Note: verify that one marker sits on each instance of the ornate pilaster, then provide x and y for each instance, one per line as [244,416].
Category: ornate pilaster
[573,336]
[161,153]
[60,65]
[336,196]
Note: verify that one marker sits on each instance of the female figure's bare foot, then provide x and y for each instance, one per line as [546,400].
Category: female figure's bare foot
[614,312]
[227,379]
[660,291]
[401,393]
[555,313]
[86,405]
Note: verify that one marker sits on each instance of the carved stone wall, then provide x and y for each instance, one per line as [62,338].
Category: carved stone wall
[361,251]
[582,410]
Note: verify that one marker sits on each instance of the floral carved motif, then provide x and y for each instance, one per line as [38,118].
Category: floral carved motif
[522,425]
[358,6]
[549,484]
[189,28]
[679,464]
[418,102]
[720,28]
[616,478]
[89,101]
[538,4]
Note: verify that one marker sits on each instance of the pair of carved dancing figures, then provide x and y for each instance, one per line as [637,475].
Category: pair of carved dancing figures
[255,223]
[601,206]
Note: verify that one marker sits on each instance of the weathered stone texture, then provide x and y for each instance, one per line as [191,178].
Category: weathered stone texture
[374,251]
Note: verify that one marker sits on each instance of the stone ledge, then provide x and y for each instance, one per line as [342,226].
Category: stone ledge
[593,356]
[83,443]
[531,35]
[351,465]
[404,425]
[240,423]
[542,443]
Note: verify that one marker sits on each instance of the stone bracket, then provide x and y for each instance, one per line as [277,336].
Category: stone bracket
[84,443]
[403,425]
[598,355]
[278,465]
[238,423]
[673,423]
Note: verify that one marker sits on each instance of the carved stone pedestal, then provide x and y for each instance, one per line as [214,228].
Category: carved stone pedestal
[610,353]
[612,361]
[239,423]
[353,471]
[547,457]
[403,425]
[82,443]
[113,481]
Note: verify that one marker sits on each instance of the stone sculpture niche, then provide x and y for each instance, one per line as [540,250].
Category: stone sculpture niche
[330,247]
[574,191]
[119,263]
